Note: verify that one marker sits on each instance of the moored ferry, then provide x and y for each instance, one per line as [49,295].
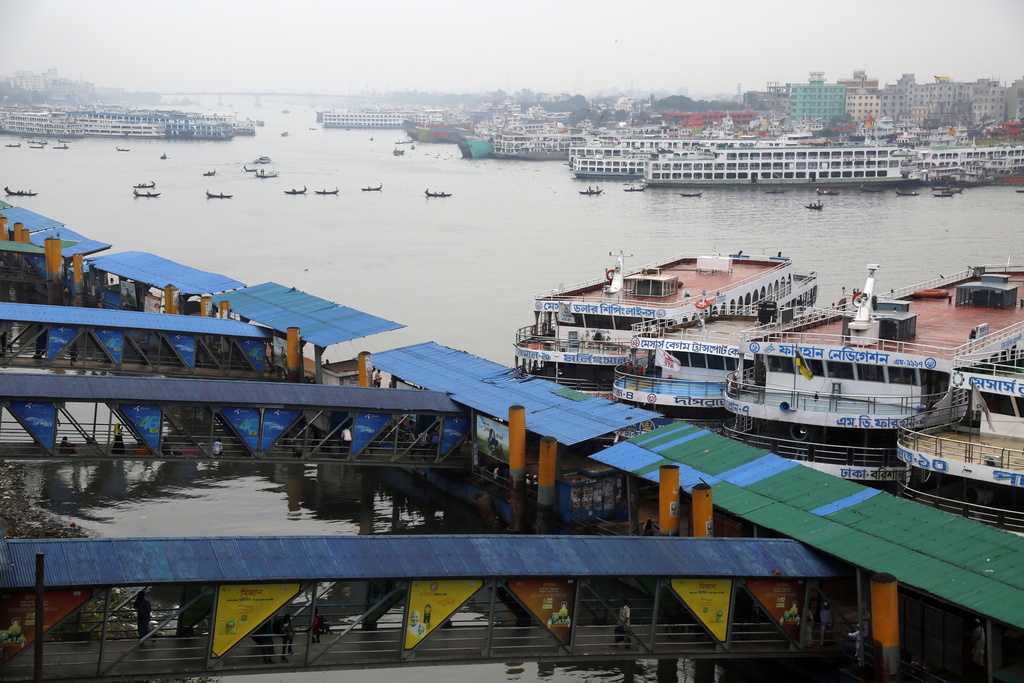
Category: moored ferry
[603,336]
[1003,163]
[373,118]
[740,164]
[474,147]
[832,387]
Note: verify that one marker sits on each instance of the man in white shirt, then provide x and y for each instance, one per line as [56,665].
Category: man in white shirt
[622,629]
[218,448]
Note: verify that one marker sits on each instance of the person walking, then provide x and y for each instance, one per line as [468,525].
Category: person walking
[143,612]
[622,627]
[218,447]
[283,627]
[978,644]
[825,623]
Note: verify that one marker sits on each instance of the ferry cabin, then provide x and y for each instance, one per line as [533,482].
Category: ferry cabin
[1003,162]
[731,164]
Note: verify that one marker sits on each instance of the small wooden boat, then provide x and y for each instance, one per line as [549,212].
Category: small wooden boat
[906,193]
[825,192]
[63,142]
[334,191]
[775,191]
[690,194]
[145,194]
[398,152]
[122,149]
[41,143]
[19,193]
[210,173]
[1021,191]
[248,170]
[15,145]
[955,189]
[145,186]
[163,156]
[591,191]
[61,147]
[815,206]
[373,189]
[438,194]
[634,189]
[220,195]
[294,191]
[872,190]
[944,193]
[266,174]
[35,146]
[284,134]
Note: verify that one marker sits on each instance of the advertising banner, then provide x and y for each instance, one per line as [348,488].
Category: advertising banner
[18,616]
[186,347]
[112,342]
[129,300]
[246,424]
[492,438]
[455,428]
[783,600]
[148,423]
[710,600]
[431,602]
[59,337]
[241,608]
[275,422]
[553,601]
[255,350]
[39,418]
[366,428]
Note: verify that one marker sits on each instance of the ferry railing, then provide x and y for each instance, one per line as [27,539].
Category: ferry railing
[853,457]
[527,339]
[852,404]
[629,382]
[936,442]
[988,363]
[1010,520]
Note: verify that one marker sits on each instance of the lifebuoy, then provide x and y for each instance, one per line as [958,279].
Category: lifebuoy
[609,274]
[703,303]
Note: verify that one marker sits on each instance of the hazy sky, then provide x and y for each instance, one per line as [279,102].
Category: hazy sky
[591,47]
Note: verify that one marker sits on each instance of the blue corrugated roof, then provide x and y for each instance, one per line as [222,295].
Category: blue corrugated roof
[31,220]
[492,389]
[320,321]
[160,272]
[84,245]
[149,390]
[114,562]
[134,320]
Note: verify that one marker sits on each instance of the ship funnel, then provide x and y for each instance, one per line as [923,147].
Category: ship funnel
[863,328]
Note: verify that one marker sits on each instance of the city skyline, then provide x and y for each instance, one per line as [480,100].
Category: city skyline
[590,48]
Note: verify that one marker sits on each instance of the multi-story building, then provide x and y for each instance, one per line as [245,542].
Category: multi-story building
[818,100]
[945,102]
[862,105]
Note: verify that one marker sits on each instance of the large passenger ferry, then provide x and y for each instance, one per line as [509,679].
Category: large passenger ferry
[605,336]
[1003,163]
[832,387]
[374,118]
[782,164]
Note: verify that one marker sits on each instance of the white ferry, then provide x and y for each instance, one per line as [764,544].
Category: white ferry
[57,124]
[624,158]
[604,336]
[1004,163]
[547,145]
[779,164]
[152,124]
[832,387]
[375,118]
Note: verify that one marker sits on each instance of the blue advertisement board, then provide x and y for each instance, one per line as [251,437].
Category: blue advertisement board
[39,418]
[455,428]
[246,424]
[275,422]
[367,427]
[59,337]
[148,422]
[255,351]
[112,342]
[186,347]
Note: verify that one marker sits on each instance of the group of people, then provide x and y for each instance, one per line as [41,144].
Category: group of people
[282,627]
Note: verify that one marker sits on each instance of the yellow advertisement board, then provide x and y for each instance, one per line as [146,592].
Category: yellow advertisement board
[243,607]
[553,601]
[709,599]
[431,602]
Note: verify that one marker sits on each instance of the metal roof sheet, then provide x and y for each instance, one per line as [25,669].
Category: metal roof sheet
[20,247]
[151,561]
[320,321]
[31,220]
[134,320]
[48,387]
[160,272]
[492,389]
[974,565]
[79,244]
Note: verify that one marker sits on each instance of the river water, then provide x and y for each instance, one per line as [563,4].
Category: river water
[460,271]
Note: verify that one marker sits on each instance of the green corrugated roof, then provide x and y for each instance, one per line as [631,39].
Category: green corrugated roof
[959,560]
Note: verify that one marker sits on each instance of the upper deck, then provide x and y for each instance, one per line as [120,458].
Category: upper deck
[659,289]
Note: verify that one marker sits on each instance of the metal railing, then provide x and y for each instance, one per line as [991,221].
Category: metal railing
[854,457]
[850,404]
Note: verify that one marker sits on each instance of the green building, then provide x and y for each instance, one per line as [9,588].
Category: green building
[816,100]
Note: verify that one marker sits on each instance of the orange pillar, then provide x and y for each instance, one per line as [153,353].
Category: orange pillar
[702,511]
[517,467]
[20,233]
[3,228]
[546,483]
[668,500]
[204,306]
[364,368]
[294,357]
[79,280]
[169,292]
[53,258]
[885,626]
[224,309]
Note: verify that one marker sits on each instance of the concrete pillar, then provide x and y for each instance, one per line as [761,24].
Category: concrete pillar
[668,500]
[702,511]
[885,627]
[546,483]
[294,357]
[364,368]
[517,467]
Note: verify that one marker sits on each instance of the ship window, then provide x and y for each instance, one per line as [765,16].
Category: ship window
[697,360]
[870,373]
[780,364]
[839,370]
[716,362]
[743,176]
[869,174]
[801,174]
[730,176]
[899,375]
[718,176]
